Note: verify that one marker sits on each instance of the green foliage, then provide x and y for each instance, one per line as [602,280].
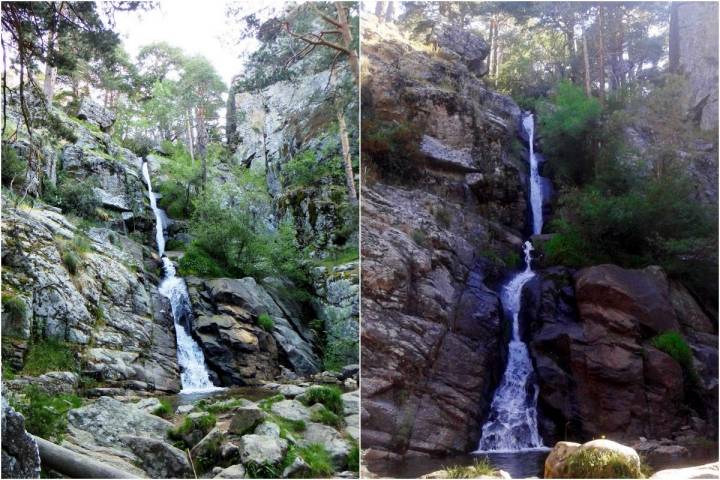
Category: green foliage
[480,467]
[288,426]
[45,415]
[419,237]
[326,417]
[675,345]
[392,149]
[318,460]
[13,167]
[354,458]
[262,470]
[442,215]
[14,308]
[266,403]
[197,262]
[309,168]
[49,355]
[204,423]
[173,244]
[329,396]
[339,257]
[265,322]
[596,463]
[71,261]
[163,410]
[569,132]
[78,197]
[337,351]
[230,240]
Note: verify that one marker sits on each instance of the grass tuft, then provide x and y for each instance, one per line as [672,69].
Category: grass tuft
[330,397]
[480,467]
[595,463]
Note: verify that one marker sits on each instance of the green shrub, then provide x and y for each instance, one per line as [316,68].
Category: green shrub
[257,470]
[49,356]
[419,237]
[318,460]
[392,149]
[675,345]
[46,415]
[480,467]
[443,216]
[288,426]
[204,423]
[71,261]
[266,403]
[197,262]
[78,197]
[354,458]
[265,322]
[13,167]
[309,167]
[173,244]
[14,307]
[569,129]
[595,463]
[164,409]
[339,352]
[329,396]
[326,417]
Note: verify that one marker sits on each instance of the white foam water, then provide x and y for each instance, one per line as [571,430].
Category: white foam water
[194,376]
[512,423]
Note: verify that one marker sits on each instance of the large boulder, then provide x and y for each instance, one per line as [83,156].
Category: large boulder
[291,409]
[626,299]
[331,439]
[107,420]
[262,449]
[235,345]
[159,459]
[470,48]
[20,456]
[594,459]
[95,114]
[711,470]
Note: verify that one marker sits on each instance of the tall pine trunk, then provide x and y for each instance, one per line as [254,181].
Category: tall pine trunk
[586,62]
[601,54]
[347,159]
[347,41]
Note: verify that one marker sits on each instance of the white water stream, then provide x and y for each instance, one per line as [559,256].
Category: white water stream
[194,375]
[512,423]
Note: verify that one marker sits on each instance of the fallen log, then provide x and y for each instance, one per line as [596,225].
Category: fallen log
[73,464]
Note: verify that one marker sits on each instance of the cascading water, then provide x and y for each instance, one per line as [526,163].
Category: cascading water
[194,374]
[512,423]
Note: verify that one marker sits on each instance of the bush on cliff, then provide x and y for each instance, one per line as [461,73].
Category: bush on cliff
[49,355]
[675,345]
[569,127]
[391,149]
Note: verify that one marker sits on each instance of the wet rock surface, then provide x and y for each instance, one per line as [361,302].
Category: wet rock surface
[432,336]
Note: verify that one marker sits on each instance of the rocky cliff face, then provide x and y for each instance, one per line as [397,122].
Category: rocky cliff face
[591,336]
[92,287]
[433,333]
[693,53]
[268,128]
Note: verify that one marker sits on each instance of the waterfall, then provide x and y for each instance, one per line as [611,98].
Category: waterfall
[512,423]
[194,375]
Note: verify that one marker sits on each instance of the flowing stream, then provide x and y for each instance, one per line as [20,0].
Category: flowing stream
[193,371]
[512,423]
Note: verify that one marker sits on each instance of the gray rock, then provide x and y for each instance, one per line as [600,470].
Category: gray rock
[198,428]
[245,419]
[20,457]
[291,409]
[107,419]
[349,371]
[95,114]
[268,428]
[234,471]
[209,448]
[53,383]
[159,459]
[291,391]
[297,469]
[470,47]
[185,409]
[262,449]
[337,447]
[351,402]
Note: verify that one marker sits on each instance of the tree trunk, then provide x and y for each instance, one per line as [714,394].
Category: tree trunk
[491,64]
[380,10]
[586,62]
[389,12]
[347,159]
[347,41]
[601,54]
[50,71]
[191,147]
[202,140]
[674,56]
[73,464]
